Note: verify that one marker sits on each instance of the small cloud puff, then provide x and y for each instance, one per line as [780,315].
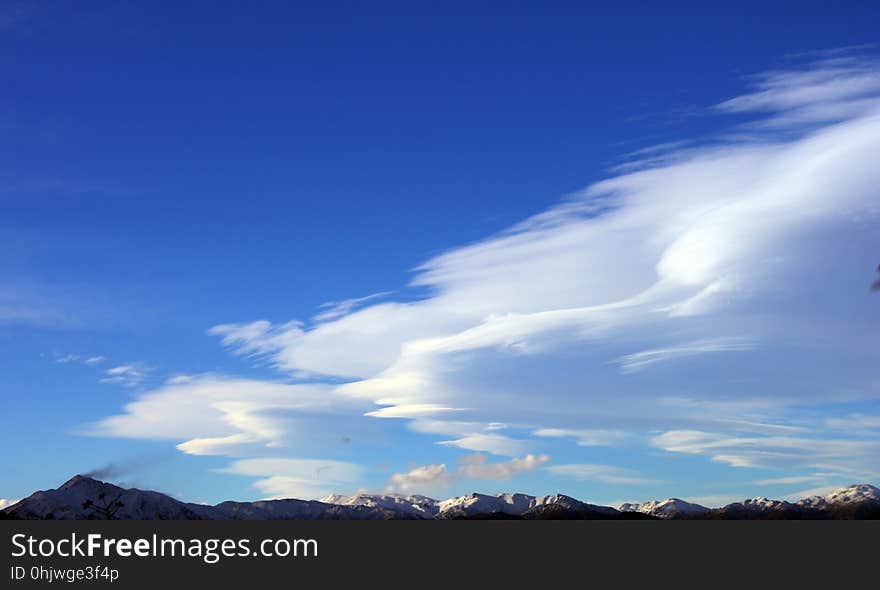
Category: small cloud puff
[128,375]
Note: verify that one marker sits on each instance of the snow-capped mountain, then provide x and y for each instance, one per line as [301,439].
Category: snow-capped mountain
[668,508]
[559,507]
[467,506]
[476,505]
[472,504]
[521,506]
[852,502]
[760,509]
[849,495]
[83,498]
[416,506]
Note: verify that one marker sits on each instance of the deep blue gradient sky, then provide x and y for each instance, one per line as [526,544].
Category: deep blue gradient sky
[168,167]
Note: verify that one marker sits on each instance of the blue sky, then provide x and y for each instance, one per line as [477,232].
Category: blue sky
[281,250]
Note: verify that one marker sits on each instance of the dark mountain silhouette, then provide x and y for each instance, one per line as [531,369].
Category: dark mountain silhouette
[86,498]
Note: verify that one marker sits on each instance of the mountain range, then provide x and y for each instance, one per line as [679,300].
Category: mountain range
[86,498]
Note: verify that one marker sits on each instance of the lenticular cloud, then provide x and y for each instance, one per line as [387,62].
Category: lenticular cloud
[719,291]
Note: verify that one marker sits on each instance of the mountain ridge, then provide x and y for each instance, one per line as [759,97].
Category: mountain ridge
[86,498]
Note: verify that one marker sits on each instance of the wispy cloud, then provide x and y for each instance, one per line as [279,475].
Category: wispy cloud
[410,411]
[586,438]
[298,478]
[856,457]
[601,473]
[233,417]
[638,361]
[128,375]
[336,309]
[75,358]
[497,444]
[831,89]
[856,424]
[775,481]
[256,338]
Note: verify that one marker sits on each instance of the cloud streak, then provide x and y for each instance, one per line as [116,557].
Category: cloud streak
[638,361]
[336,309]
[128,375]
[298,478]
[858,458]
[600,473]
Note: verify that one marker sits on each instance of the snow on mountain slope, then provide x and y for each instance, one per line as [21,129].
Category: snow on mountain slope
[668,508]
[416,506]
[855,494]
[516,505]
[761,508]
[559,506]
[762,504]
[472,504]
[83,498]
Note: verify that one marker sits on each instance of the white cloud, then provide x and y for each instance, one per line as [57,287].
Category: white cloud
[735,260]
[354,346]
[497,444]
[637,361]
[257,338]
[420,478]
[791,479]
[74,358]
[428,478]
[602,473]
[479,467]
[828,91]
[688,252]
[128,375]
[472,436]
[336,309]
[858,458]
[4,503]
[410,411]
[298,478]
[586,438]
[216,415]
[855,423]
